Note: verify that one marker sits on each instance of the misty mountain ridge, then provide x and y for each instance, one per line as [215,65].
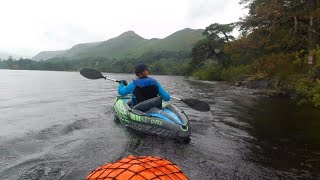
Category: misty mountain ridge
[5,55]
[128,45]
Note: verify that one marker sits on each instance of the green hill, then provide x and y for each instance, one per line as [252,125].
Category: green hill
[44,55]
[128,45]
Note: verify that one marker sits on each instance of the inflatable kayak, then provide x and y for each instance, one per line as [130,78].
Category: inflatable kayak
[138,168]
[153,116]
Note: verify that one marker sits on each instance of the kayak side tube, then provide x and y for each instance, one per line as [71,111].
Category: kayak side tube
[176,126]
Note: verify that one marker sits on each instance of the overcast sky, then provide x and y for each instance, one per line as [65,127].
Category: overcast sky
[31,26]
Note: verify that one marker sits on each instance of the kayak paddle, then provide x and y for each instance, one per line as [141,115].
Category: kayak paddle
[192,103]
[94,74]
[195,104]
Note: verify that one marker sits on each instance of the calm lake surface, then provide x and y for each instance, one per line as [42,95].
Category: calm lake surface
[59,125]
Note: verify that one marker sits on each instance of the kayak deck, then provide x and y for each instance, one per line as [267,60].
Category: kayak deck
[169,121]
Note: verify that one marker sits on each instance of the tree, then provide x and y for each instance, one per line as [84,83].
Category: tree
[212,48]
[10,58]
[220,30]
[296,20]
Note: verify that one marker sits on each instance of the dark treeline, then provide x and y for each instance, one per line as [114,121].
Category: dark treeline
[279,41]
[163,62]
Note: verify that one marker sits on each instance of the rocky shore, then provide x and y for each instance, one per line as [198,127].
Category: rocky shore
[269,87]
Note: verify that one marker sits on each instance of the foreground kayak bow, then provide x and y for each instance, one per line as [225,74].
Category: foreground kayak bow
[138,168]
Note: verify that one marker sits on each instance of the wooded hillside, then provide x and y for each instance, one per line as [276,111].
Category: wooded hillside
[279,40]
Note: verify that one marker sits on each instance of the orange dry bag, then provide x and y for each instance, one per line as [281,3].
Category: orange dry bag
[136,168]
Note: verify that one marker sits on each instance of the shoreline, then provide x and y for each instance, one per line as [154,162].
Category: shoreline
[269,87]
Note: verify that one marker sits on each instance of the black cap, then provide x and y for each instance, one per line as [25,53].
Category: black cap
[139,68]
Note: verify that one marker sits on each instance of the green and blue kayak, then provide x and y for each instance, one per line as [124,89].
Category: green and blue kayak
[153,116]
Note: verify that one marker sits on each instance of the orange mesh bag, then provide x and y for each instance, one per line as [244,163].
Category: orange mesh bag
[136,168]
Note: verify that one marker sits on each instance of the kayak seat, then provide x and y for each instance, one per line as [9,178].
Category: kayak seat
[130,103]
[164,114]
[145,105]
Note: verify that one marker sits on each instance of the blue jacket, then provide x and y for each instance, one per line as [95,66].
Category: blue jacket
[124,90]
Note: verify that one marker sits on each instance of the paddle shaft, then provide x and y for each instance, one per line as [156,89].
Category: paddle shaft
[119,81]
[193,103]
[176,98]
[111,79]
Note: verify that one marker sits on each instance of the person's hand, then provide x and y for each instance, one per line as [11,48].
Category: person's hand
[124,82]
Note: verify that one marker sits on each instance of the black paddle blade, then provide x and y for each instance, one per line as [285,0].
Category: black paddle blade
[197,104]
[91,73]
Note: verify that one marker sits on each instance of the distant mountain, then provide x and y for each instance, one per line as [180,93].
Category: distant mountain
[128,45]
[44,55]
[4,55]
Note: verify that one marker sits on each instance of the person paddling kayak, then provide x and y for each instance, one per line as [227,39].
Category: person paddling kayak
[142,88]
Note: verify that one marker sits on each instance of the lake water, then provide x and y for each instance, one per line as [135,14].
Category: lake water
[59,125]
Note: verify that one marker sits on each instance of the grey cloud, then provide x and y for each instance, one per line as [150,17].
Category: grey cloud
[220,10]
[204,8]
[55,31]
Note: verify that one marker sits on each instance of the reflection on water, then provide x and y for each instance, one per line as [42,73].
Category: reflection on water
[59,125]
[278,138]
[288,138]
